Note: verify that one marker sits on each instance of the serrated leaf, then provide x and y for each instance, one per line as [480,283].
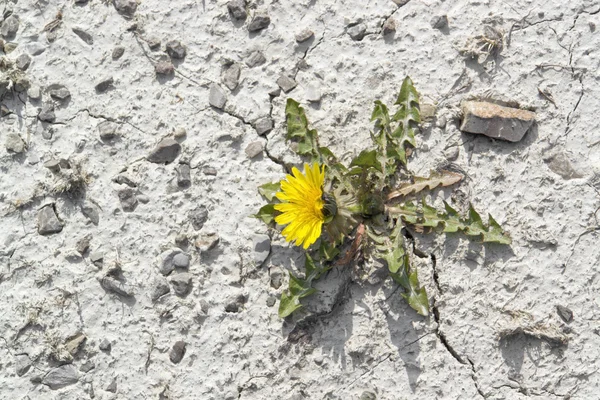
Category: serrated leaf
[297,129]
[328,251]
[287,305]
[495,233]
[475,225]
[268,190]
[435,179]
[453,222]
[381,114]
[417,296]
[367,159]
[266,213]
[309,266]
[408,115]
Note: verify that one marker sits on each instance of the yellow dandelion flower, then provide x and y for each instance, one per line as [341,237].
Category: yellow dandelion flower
[302,205]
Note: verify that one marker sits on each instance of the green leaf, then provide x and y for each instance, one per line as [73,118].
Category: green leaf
[328,251]
[266,213]
[453,222]
[297,129]
[417,296]
[495,233]
[309,266]
[381,114]
[287,305]
[367,159]
[268,190]
[435,179]
[408,115]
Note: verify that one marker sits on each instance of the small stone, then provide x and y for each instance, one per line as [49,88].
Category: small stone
[313,93]
[181,283]
[560,164]
[441,122]
[236,304]
[496,121]
[286,83]
[237,9]
[87,366]
[181,260]
[166,260]
[439,22]
[90,211]
[83,35]
[36,379]
[104,84]
[209,171]
[153,43]
[48,222]
[260,21]
[60,377]
[176,50]
[255,59]
[262,248]
[177,352]
[47,113]
[304,35]
[107,130]
[366,395]
[389,27]
[207,242]
[216,97]
[357,32]
[128,199]
[166,151]
[96,257]
[112,386]
[263,125]
[4,111]
[34,92]
[276,279]
[271,300]
[14,143]
[125,7]
[164,67]
[21,83]
[123,179]
[105,345]
[112,285]
[592,26]
[428,111]
[181,240]
[22,364]
[400,3]
[83,245]
[118,52]
[75,343]
[23,62]
[231,76]
[452,153]
[183,176]
[9,27]
[180,133]
[60,94]
[254,149]
[198,218]
[159,288]
[35,48]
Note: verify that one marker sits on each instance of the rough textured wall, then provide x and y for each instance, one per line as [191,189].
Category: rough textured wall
[129,267]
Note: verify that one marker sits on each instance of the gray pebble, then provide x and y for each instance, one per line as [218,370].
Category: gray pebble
[177,352]
[441,122]
[166,151]
[107,130]
[389,27]
[87,366]
[60,94]
[118,52]
[236,305]
[48,222]
[181,240]
[565,313]
[96,257]
[198,218]
[216,97]
[47,112]
[209,171]
[313,93]
[357,32]
[153,43]
[83,35]
[400,3]
[366,395]
[103,84]
[34,92]
[237,9]
[124,179]
[166,260]
[260,21]
[176,50]
[183,176]
[60,377]
[81,1]
[125,7]
[271,300]
[112,386]
[180,133]
[112,285]
[9,27]
[181,283]
[128,199]
[262,248]
[23,61]
[255,59]
[22,364]
[160,288]
[254,149]
[35,48]
[207,242]
[181,260]
[231,76]
[439,22]
[304,35]
[83,244]
[164,67]
[263,125]
[105,345]
[276,279]
[21,83]
[14,143]
[286,83]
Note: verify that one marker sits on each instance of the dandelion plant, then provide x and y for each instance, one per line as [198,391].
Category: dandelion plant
[362,207]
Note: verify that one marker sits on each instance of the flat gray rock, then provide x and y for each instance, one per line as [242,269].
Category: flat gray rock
[125,7]
[23,62]
[262,248]
[237,9]
[260,21]
[14,143]
[231,76]
[176,50]
[160,287]
[357,32]
[84,35]
[496,121]
[177,352]
[304,35]
[118,52]
[65,375]
[107,130]
[217,97]
[255,59]
[286,83]
[48,222]
[166,151]
[254,149]
[263,125]
[128,199]
[165,260]
[182,283]
[9,27]
[47,113]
